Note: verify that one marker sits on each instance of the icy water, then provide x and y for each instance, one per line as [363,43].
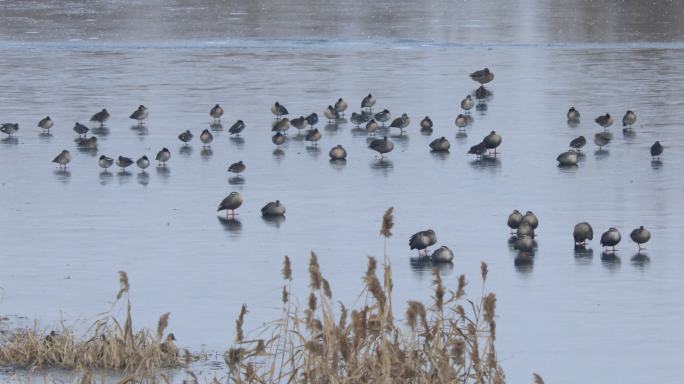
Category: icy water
[567,316]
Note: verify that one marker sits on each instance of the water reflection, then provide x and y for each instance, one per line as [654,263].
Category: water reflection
[238,141]
[143,178]
[568,169]
[236,180]
[230,223]
[10,140]
[382,165]
[338,164]
[63,175]
[278,153]
[426,131]
[423,266]
[656,164]
[216,127]
[601,153]
[206,153]
[102,131]
[163,172]
[185,150]
[274,221]
[313,150]
[45,137]
[629,133]
[141,130]
[486,162]
[482,108]
[359,132]
[583,255]
[461,135]
[440,155]
[573,123]
[610,260]
[524,262]
[331,127]
[640,260]
[87,151]
[106,177]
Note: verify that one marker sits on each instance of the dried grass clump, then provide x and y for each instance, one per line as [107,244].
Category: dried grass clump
[108,345]
[450,339]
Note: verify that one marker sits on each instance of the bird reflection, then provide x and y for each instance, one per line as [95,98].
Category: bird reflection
[236,180]
[656,164]
[206,153]
[359,132]
[524,262]
[10,140]
[424,266]
[573,123]
[440,155]
[216,127]
[105,177]
[384,165]
[482,108]
[185,150]
[314,151]
[230,223]
[338,164]
[45,137]
[141,130]
[143,178]
[426,131]
[640,260]
[278,153]
[610,260]
[486,162]
[461,134]
[275,221]
[583,255]
[570,169]
[104,131]
[63,175]
[238,141]
[164,172]
[601,153]
[331,127]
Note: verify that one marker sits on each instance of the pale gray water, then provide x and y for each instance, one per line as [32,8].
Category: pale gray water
[566,317]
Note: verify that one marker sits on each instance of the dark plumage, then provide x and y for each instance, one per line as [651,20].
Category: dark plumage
[640,236]
[578,143]
[611,238]
[237,168]
[582,232]
[423,240]
[656,150]
[100,117]
[236,128]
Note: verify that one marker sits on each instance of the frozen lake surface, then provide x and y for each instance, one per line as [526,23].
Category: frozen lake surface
[566,316]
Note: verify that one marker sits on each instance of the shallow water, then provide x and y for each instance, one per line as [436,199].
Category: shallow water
[68,233]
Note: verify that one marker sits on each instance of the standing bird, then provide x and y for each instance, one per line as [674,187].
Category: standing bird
[279,110]
[426,124]
[492,141]
[124,162]
[582,233]
[236,128]
[478,149]
[341,106]
[216,112]
[381,146]
[143,163]
[567,159]
[383,116]
[640,236]
[278,139]
[368,102]
[185,137]
[656,150]
[331,114]
[105,162]
[140,114]
[461,122]
[422,240]
[467,104]
[312,119]
[605,121]
[299,123]
[313,136]
[338,153]
[611,238]
[81,129]
[401,123]
[89,143]
[62,159]
[628,119]
[230,203]
[281,125]
[601,139]
[442,255]
[514,220]
[206,137]
[358,118]
[440,145]
[482,76]
[578,143]
[371,127]
[163,156]
[573,115]
[46,124]
[100,117]
[531,219]
[9,128]
[274,208]
[237,168]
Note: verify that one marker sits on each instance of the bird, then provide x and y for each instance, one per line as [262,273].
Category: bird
[236,128]
[338,153]
[426,124]
[514,220]
[601,139]
[313,136]
[401,123]
[274,208]
[573,115]
[185,137]
[524,243]
[105,162]
[312,119]
[442,255]
[140,114]
[9,128]
[640,236]
[46,123]
[422,240]
[216,112]
[611,238]
[299,123]
[605,121]
[524,229]
[381,146]
[531,219]
[492,141]
[567,159]
[341,106]
[440,145]
[281,125]
[62,159]
[467,104]
[100,117]
[143,163]
[206,137]
[482,76]
[331,114]
[368,102]
[371,127]
[578,143]
[230,203]
[582,233]
[628,119]
[237,168]
[383,116]
[461,122]
[359,118]
[656,150]
[81,129]
[478,150]
[278,139]
[481,93]
[279,110]
[124,162]
[163,156]
[89,143]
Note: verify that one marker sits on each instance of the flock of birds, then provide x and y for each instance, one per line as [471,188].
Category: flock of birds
[522,226]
